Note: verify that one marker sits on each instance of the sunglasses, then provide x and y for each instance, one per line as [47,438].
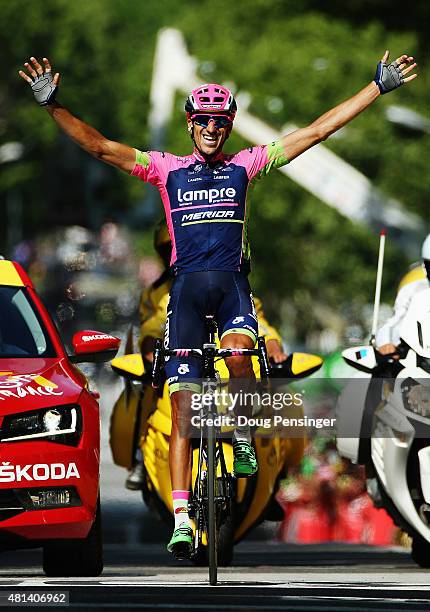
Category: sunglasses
[220,121]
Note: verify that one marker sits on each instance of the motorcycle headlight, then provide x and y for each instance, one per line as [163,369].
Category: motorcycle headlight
[416,397]
[61,424]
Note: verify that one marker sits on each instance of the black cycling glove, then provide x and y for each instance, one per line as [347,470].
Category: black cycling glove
[44,89]
[388,77]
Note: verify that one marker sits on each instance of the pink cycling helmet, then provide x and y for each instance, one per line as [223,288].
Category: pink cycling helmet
[211,98]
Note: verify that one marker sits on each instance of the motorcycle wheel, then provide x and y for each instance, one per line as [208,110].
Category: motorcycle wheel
[420,551]
[201,558]
[225,547]
[224,550]
[226,542]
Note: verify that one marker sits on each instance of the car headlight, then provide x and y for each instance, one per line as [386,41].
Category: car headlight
[52,420]
[61,424]
[416,397]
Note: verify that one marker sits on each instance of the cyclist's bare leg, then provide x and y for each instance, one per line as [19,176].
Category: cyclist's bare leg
[242,377]
[180,474]
[242,381]
[180,443]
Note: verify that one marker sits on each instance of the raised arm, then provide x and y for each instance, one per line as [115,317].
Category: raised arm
[44,87]
[387,78]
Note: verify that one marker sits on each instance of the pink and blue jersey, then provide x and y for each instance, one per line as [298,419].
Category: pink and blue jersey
[206,203]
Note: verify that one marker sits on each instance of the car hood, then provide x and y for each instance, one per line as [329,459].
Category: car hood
[28,384]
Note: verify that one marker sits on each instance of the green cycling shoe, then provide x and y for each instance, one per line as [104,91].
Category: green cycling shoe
[181,543]
[245,462]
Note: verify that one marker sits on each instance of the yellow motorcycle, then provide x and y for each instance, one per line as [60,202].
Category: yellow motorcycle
[141,417]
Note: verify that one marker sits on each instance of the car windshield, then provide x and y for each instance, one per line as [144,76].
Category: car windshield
[21,329]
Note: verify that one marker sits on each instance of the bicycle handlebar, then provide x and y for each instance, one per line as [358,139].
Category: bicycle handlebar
[214,352]
[208,351]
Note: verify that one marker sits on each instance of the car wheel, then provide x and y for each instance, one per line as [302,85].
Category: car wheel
[83,557]
[420,551]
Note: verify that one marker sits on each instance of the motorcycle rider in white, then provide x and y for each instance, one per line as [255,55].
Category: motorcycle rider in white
[387,337]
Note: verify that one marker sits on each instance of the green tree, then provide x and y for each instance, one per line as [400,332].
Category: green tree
[296,58]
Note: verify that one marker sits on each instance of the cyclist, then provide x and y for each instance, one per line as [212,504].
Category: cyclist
[416,280]
[153,311]
[204,196]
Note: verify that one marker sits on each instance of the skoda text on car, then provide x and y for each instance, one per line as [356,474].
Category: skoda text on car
[49,433]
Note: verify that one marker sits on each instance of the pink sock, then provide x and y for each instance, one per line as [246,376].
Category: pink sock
[180,507]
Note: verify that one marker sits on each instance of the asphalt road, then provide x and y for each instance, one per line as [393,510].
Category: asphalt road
[265,575]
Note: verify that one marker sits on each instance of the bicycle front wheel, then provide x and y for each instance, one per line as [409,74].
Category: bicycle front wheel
[212,531]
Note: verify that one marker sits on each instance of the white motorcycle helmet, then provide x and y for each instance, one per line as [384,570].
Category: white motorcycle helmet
[425,254]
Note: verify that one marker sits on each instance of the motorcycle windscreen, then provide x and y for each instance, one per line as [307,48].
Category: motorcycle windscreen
[129,366]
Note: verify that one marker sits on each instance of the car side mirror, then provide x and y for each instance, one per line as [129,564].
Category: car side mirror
[94,347]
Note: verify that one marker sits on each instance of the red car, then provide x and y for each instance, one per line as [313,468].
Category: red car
[49,433]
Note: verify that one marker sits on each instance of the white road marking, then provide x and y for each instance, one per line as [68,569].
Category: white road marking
[226,582]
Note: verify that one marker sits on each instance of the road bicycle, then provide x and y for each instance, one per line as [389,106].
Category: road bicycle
[211,502]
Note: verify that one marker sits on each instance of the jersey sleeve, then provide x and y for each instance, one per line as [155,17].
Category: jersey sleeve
[151,166]
[389,333]
[260,160]
[264,329]
[153,315]
[146,305]
[154,326]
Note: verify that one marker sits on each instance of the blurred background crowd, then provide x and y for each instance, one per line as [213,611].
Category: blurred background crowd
[325,500]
